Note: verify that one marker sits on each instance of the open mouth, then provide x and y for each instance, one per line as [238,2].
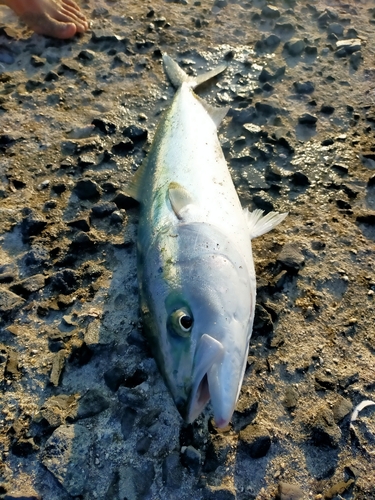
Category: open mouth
[208,353]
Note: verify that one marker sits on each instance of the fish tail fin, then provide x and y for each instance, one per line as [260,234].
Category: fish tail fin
[178,76]
[259,224]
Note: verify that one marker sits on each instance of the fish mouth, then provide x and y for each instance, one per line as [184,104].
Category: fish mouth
[209,354]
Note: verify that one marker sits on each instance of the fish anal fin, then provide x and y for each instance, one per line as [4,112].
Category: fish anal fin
[179,198]
[217,114]
[259,224]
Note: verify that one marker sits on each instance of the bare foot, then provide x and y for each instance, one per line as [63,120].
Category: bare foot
[55,18]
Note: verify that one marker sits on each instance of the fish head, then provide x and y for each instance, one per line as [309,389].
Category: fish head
[199,312]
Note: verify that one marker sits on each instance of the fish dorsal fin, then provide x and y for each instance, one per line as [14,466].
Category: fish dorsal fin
[259,224]
[178,76]
[133,189]
[179,198]
[217,114]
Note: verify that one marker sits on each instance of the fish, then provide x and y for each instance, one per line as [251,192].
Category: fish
[196,275]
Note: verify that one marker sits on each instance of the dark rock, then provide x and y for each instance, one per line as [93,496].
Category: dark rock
[342,169]
[135,133]
[143,445]
[65,281]
[304,87]
[307,119]
[104,125]
[104,35]
[336,28]
[113,377]
[29,285]
[123,147]
[87,189]
[287,491]
[172,472]
[242,417]
[87,160]
[31,85]
[295,47]
[325,381]
[127,421]
[262,321]
[68,446]
[9,301]
[324,431]
[347,47]
[255,440]
[125,202]
[131,397]
[291,258]
[343,205]
[59,188]
[326,17]
[264,202]
[366,219]
[341,408]
[371,181]
[11,367]
[291,398]
[24,447]
[51,76]
[327,142]
[284,30]
[355,60]
[191,458]
[271,12]
[87,55]
[136,483]
[56,409]
[271,41]
[7,273]
[216,453]
[58,365]
[103,209]
[32,224]
[91,403]
[82,224]
[300,179]
[265,75]
[37,61]
[82,240]
[311,50]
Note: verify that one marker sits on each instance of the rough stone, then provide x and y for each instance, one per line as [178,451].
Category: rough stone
[87,189]
[172,471]
[291,258]
[256,440]
[9,301]
[91,403]
[324,431]
[66,456]
[295,47]
[288,491]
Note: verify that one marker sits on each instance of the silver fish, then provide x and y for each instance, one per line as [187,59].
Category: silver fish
[195,266]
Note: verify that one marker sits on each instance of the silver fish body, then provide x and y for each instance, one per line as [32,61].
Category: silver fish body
[195,266]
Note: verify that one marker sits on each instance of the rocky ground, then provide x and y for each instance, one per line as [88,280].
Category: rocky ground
[84,411]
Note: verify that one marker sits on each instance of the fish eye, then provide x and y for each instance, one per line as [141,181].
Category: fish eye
[186,322]
[181,322]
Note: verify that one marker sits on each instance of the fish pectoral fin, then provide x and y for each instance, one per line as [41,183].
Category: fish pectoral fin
[259,224]
[179,198]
